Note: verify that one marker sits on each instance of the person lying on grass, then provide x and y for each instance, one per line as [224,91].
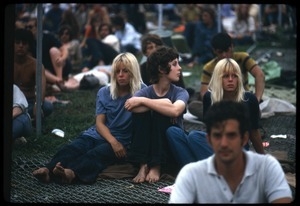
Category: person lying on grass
[106,142]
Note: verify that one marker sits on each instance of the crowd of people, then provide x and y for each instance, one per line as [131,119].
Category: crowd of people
[140,105]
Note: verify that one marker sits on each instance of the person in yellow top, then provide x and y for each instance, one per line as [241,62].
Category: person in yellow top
[223,48]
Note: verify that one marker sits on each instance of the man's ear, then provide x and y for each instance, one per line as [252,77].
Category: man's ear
[245,138]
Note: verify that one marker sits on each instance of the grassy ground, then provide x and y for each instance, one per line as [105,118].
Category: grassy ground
[79,114]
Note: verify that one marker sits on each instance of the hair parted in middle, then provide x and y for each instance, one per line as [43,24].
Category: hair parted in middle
[129,61]
[215,86]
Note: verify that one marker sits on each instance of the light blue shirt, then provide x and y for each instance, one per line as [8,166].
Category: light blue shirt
[118,119]
[263,182]
[129,36]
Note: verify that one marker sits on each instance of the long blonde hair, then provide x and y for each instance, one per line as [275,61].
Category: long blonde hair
[130,62]
[215,86]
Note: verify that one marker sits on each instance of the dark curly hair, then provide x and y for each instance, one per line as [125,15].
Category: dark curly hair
[159,61]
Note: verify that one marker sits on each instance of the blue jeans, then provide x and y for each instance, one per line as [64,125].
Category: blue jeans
[47,107]
[86,156]
[21,126]
[188,147]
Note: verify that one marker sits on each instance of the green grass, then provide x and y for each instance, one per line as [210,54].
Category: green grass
[72,119]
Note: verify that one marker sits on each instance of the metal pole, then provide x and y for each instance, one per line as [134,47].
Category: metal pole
[219,18]
[280,15]
[260,23]
[160,15]
[39,69]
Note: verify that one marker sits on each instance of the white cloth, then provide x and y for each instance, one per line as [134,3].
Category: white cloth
[102,76]
[129,36]
[19,99]
[270,106]
[113,41]
[242,27]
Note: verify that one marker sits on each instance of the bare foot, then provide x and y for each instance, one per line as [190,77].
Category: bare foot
[42,174]
[67,175]
[153,175]
[142,174]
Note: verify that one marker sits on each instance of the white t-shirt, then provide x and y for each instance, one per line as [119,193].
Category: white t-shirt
[97,71]
[113,41]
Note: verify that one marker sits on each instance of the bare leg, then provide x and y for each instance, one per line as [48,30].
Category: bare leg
[153,175]
[141,176]
[67,175]
[55,54]
[51,78]
[42,174]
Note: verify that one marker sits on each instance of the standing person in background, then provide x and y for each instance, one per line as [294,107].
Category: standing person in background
[22,126]
[154,109]
[243,27]
[25,73]
[226,84]
[129,38]
[233,174]
[223,48]
[104,143]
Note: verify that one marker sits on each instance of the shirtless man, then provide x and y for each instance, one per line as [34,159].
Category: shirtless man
[25,73]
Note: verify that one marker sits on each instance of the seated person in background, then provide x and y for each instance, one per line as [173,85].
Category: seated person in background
[96,52]
[130,39]
[25,73]
[223,48]
[226,84]
[205,29]
[54,56]
[108,37]
[231,175]
[67,39]
[22,126]
[106,142]
[243,26]
[150,42]
[154,109]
